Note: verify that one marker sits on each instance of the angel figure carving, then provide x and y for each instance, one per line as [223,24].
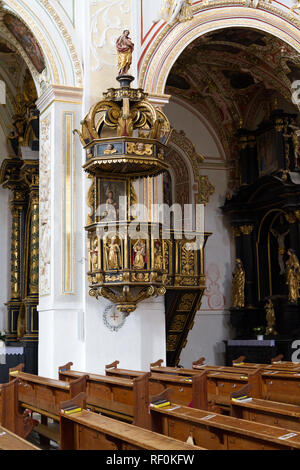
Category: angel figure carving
[176,10]
[238,285]
[125,48]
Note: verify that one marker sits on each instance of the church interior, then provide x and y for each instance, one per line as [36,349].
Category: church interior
[150,225]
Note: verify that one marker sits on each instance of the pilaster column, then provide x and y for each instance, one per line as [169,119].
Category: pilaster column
[62,265]
[248,262]
[13,306]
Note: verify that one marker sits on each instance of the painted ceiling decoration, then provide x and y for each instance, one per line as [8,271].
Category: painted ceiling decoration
[27,40]
[233,77]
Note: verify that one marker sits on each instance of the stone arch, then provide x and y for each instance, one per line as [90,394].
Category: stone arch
[62,60]
[172,41]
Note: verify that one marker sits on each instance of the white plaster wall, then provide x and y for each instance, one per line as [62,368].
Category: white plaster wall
[5,235]
[140,341]
[197,130]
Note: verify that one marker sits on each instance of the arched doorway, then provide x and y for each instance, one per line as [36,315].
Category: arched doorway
[229,73]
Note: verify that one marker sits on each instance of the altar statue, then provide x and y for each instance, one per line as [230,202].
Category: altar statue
[271,319]
[238,285]
[125,48]
[293,276]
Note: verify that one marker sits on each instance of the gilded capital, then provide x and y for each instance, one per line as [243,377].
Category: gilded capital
[246,229]
[291,217]
[236,231]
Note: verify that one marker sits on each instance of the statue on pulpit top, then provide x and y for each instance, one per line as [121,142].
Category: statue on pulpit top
[293,276]
[125,48]
[238,285]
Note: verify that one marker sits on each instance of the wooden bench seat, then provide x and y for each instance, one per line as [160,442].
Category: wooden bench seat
[186,389]
[43,395]
[219,432]
[118,397]
[89,431]
[281,386]
[11,417]
[10,441]
[282,415]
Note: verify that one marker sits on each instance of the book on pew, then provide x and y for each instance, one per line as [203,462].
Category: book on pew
[72,409]
[242,399]
[160,403]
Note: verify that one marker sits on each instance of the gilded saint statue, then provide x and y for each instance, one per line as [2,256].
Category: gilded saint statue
[293,276]
[125,48]
[113,254]
[139,258]
[270,318]
[238,285]
[158,257]
[95,256]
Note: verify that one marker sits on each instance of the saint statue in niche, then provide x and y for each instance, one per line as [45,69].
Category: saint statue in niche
[113,254]
[158,256]
[293,276]
[95,256]
[125,48]
[238,285]
[140,252]
[271,319]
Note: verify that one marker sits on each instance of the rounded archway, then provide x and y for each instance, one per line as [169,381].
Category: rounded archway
[172,41]
[62,60]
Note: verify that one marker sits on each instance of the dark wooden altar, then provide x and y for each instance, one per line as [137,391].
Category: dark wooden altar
[265,215]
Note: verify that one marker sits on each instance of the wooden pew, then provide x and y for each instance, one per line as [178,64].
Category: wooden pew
[218,387]
[186,390]
[272,413]
[116,396]
[157,367]
[281,386]
[219,432]
[122,398]
[86,430]
[275,365]
[10,441]
[11,417]
[44,396]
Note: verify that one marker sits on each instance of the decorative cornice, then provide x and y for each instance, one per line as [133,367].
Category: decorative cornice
[56,93]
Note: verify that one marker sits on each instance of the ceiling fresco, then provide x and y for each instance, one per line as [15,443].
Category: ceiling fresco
[27,40]
[234,77]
